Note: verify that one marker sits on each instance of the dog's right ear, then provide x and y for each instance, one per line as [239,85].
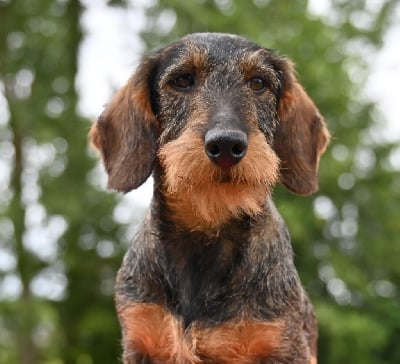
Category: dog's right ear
[126,132]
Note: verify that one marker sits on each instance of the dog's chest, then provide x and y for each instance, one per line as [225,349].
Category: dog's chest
[202,281]
[220,281]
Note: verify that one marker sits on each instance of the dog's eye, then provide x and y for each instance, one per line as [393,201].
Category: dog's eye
[182,82]
[257,84]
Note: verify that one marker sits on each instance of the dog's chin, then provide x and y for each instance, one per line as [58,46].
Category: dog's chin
[209,206]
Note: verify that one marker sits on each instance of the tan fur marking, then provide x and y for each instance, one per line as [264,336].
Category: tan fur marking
[150,330]
[201,196]
[239,342]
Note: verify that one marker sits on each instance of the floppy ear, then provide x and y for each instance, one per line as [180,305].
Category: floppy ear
[126,133]
[300,138]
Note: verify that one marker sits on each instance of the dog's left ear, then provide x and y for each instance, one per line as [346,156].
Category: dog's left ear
[126,132]
[300,137]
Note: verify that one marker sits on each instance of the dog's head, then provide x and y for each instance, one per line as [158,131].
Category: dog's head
[223,117]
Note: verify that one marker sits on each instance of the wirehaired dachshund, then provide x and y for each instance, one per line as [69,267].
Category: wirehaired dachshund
[209,277]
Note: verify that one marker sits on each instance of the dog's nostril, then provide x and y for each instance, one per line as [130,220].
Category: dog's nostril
[225,147]
[238,150]
[213,150]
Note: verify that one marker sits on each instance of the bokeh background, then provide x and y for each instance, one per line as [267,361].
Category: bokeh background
[62,236]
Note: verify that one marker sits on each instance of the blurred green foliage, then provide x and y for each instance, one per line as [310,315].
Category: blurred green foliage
[346,237]
[38,54]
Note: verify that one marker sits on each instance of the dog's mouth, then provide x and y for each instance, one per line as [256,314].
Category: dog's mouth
[226,179]
[229,176]
[223,176]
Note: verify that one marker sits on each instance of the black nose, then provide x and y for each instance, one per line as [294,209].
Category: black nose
[225,147]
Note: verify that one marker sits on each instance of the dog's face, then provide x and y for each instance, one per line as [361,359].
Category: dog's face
[224,118]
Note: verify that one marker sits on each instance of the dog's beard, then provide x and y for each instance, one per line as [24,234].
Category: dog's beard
[202,195]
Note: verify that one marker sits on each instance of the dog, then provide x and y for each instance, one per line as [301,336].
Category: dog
[218,120]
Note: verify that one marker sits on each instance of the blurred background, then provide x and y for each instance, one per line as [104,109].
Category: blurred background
[62,236]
